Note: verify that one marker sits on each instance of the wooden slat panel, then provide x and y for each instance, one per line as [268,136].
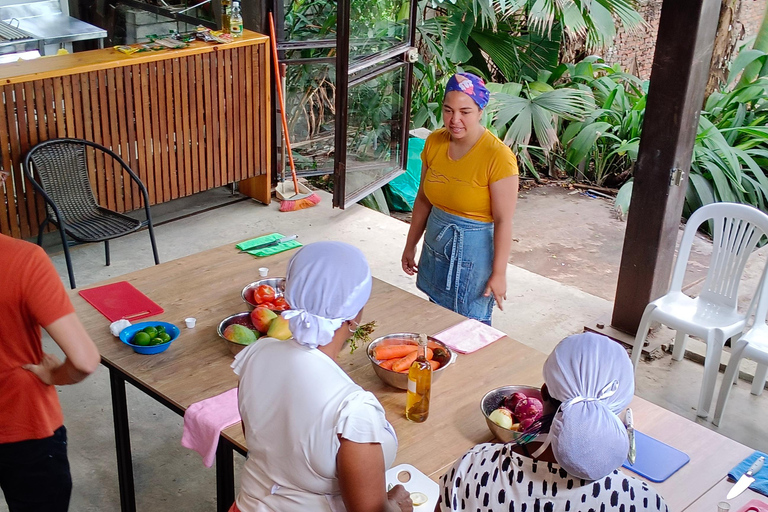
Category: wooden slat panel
[5,139]
[184,122]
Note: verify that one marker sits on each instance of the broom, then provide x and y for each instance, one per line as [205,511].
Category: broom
[300,197]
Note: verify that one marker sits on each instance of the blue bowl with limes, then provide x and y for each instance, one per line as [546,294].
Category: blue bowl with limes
[128,336]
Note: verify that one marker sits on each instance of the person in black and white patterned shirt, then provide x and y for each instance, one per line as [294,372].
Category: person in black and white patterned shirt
[572,468]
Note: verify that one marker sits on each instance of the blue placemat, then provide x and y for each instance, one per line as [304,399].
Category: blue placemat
[761,477]
[655,460]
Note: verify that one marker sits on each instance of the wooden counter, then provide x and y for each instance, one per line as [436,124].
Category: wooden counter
[184,120]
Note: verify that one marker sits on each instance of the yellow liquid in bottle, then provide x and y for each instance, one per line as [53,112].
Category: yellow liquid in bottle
[419,388]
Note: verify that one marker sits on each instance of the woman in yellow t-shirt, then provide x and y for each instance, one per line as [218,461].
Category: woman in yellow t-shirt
[464,208]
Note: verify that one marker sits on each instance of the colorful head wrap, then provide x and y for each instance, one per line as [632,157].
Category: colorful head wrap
[593,378]
[326,284]
[471,85]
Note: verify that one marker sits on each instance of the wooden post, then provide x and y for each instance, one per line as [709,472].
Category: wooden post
[678,77]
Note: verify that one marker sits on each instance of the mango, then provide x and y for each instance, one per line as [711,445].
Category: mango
[240,334]
[261,317]
[278,329]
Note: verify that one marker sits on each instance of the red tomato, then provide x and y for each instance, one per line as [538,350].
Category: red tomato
[280,304]
[268,305]
[264,293]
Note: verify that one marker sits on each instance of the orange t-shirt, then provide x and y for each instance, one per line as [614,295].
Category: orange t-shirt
[32,296]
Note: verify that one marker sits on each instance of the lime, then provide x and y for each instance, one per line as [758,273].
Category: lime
[141,338]
[164,336]
[151,331]
[418,498]
[156,341]
[160,328]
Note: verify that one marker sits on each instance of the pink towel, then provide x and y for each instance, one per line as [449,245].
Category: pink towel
[204,421]
[468,336]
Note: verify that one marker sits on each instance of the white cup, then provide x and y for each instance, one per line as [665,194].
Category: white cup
[190,322]
[723,506]
[263,271]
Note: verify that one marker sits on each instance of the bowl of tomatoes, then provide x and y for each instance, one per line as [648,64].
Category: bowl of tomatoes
[266,292]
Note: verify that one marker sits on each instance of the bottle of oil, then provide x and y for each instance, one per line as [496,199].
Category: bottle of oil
[419,385]
[225,12]
[235,20]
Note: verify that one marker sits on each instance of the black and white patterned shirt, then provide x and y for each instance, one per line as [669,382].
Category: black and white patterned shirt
[491,477]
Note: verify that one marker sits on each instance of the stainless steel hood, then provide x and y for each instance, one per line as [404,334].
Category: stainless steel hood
[46,21]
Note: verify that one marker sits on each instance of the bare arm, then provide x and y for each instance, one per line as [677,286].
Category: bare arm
[362,481]
[82,356]
[503,202]
[421,209]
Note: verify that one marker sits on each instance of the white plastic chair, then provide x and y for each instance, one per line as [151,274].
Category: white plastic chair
[754,346]
[713,315]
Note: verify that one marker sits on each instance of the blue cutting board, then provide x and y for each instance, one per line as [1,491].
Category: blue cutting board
[655,460]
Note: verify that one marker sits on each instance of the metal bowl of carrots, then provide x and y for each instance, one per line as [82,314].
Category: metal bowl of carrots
[391,357]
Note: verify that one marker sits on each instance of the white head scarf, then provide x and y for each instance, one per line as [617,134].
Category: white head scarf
[326,284]
[593,378]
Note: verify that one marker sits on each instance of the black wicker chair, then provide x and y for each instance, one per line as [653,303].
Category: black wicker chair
[58,170]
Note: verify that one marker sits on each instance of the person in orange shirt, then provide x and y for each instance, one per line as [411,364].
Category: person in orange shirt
[464,208]
[34,469]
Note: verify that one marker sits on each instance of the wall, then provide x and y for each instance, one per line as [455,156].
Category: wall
[634,51]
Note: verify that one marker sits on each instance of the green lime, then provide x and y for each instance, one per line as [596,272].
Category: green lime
[164,336]
[156,341]
[151,331]
[160,328]
[141,338]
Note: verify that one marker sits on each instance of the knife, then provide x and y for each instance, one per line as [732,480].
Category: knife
[746,479]
[631,433]
[270,244]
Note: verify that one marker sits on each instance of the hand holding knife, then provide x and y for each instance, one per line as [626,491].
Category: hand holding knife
[629,420]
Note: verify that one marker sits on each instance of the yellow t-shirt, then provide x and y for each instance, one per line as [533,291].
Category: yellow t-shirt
[461,187]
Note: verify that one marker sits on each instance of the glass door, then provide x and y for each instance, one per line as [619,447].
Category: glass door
[373,90]
[347,90]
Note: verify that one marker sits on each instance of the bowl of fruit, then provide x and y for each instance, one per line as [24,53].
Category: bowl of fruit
[392,355]
[149,337]
[267,293]
[243,329]
[512,411]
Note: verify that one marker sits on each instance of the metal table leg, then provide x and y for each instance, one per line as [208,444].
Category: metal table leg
[225,475]
[123,442]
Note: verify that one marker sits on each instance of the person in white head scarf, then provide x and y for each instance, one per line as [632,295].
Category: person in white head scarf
[316,440]
[589,380]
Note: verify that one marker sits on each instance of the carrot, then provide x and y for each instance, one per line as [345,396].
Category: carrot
[387,363]
[382,352]
[434,364]
[405,362]
[434,345]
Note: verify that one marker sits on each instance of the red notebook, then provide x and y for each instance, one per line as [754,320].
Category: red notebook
[121,300]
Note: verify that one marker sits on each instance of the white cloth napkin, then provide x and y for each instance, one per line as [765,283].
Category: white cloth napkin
[469,336]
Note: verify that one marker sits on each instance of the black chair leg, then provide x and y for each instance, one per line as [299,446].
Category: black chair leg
[106,251]
[152,238]
[67,257]
[40,231]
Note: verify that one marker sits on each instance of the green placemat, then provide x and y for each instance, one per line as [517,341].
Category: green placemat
[267,251]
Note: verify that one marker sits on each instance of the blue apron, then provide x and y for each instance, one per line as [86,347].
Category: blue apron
[456,263]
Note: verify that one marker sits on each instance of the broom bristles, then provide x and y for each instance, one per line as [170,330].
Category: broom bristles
[291,205]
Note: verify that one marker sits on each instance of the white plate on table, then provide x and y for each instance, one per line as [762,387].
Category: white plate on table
[415,481]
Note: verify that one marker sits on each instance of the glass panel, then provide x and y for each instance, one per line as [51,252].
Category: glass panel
[310,107]
[375,118]
[309,20]
[377,25]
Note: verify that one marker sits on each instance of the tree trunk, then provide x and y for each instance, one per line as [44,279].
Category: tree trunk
[729,32]
[761,43]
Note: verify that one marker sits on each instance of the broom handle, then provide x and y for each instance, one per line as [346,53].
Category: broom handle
[282,101]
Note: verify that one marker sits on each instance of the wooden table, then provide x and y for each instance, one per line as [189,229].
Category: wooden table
[207,286]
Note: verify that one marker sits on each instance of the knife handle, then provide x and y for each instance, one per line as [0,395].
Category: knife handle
[756,466]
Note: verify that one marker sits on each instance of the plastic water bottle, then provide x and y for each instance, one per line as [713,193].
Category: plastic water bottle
[235,20]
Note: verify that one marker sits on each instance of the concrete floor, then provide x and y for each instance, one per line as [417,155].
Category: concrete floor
[562,277]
